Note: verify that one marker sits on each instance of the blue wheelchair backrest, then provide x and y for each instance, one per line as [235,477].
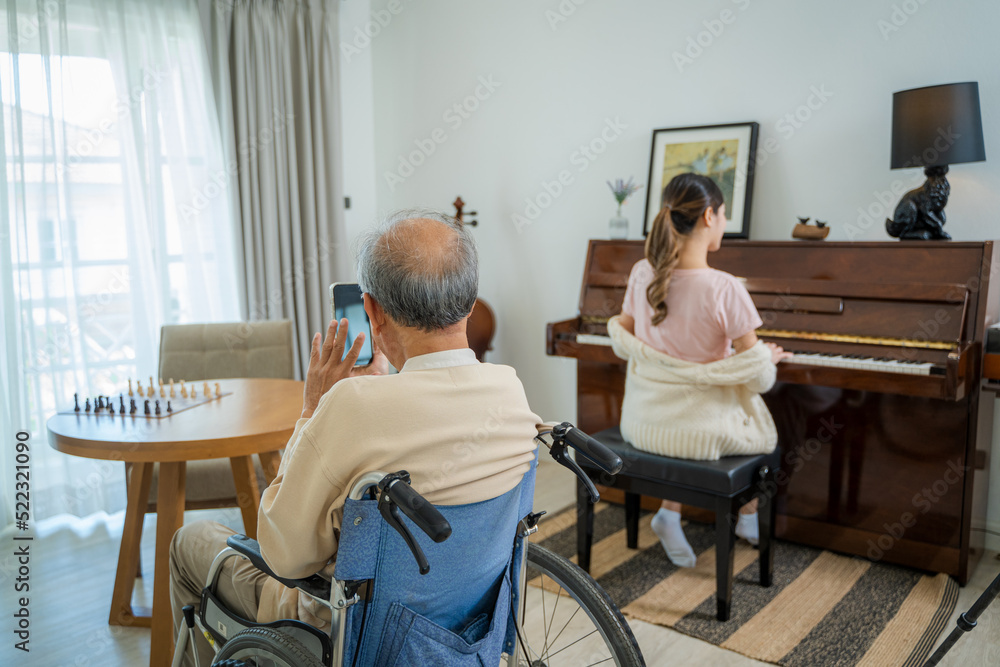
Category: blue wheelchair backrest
[457,614]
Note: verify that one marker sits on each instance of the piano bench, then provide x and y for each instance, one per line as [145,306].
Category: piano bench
[723,486]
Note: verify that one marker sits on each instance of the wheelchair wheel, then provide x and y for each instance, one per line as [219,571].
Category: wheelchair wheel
[566,618]
[265,647]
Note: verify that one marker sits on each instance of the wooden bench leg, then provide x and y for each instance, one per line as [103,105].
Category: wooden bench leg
[765,521]
[725,555]
[632,519]
[584,526]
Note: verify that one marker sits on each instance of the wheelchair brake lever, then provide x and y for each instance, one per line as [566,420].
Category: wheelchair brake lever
[558,452]
[390,513]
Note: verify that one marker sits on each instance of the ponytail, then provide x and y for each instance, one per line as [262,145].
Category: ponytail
[684,201]
[663,252]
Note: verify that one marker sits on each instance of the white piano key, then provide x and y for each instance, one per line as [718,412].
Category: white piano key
[593,339]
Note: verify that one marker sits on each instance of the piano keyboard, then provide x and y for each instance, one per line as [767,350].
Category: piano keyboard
[593,339]
[828,360]
[857,362]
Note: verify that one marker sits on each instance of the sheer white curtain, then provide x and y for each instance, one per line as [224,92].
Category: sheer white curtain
[115,216]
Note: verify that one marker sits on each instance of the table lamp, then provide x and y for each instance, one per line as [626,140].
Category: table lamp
[932,127]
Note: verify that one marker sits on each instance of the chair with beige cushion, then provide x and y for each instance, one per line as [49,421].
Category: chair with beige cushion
[196,352]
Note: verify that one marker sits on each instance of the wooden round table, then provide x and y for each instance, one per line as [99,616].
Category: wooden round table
[257,417]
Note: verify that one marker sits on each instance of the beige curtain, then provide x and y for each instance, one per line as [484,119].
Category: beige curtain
[277,86]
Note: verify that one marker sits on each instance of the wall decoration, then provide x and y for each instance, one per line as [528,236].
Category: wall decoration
[724,153]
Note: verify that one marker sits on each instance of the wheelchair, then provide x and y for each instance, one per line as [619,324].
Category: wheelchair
[486,602]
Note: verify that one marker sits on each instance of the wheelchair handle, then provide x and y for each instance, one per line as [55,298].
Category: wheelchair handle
[602,457]
[415,506]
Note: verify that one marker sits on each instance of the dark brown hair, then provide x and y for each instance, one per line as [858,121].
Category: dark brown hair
[684,201]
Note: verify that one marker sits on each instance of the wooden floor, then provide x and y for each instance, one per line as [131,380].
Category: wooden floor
[72,571]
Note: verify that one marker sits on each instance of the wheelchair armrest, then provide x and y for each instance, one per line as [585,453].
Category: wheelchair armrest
[315,585]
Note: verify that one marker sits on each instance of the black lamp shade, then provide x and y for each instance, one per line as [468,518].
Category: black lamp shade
[937,126]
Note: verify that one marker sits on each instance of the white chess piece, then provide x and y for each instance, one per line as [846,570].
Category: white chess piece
[204,390]
[172,393]
[130,387]
[194,391]
[138,389]
[184,391]
[218,392]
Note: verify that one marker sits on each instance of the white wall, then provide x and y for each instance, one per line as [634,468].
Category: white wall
[557,83]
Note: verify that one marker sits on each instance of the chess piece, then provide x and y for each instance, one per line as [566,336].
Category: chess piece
[172,394]
[157,407]
[169,409]
[194,392]
[132,408]
[218,392]
[111,407]
[163,392]
[76,403]
[205,391]
[184,391]
[121,404]
[130,388]
[151,392]
[147,406]
[138,390]
[100,402]
[86,407]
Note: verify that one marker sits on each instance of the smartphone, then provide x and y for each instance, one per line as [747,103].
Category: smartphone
[346,301]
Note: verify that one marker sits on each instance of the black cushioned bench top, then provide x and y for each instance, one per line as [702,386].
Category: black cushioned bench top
[726,476]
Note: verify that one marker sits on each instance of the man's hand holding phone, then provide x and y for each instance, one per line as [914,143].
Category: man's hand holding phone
[328,365]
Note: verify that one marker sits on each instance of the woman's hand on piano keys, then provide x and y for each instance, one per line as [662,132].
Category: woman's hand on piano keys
[777,353]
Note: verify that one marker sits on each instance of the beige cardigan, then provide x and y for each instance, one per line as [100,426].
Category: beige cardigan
[464,433]
[695,411]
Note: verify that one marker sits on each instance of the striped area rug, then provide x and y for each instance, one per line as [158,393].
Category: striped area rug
[822,609]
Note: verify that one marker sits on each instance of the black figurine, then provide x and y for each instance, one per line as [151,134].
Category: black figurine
[147,406]
[920,212]
[76,403]
[121,403]
[132,408]
[169,409]
[157,407]
[86,407]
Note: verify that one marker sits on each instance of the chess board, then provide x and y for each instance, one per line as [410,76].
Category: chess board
[177,404]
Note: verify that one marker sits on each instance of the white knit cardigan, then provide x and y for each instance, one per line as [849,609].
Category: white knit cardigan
[695,411]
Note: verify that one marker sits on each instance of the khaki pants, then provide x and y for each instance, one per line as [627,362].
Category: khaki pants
[192,551]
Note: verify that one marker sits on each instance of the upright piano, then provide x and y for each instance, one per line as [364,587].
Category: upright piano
[885,442]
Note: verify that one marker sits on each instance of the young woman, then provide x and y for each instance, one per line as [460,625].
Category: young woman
[686,394]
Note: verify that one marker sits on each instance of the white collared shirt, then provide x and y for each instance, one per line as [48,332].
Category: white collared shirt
[443,359]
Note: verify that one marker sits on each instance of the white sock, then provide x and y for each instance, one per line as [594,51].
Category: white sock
[667,526]
[746,527]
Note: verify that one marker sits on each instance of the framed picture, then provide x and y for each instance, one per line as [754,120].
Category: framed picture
[721,152]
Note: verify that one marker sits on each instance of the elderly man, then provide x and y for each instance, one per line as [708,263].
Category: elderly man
[419,274]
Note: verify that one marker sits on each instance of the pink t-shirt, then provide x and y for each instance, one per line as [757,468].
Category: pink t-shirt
[706,310]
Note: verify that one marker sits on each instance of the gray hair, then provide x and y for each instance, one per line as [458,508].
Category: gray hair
[426,290]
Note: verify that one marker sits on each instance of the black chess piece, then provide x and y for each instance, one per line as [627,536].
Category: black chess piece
[121,403]
[100,404]
[86,407]
[132,408]
[147,406]
[111,407]
[157,407]
[169,409]
[76,403]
